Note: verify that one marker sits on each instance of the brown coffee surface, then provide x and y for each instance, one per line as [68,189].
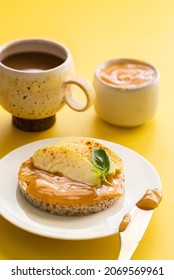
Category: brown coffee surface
[32,61]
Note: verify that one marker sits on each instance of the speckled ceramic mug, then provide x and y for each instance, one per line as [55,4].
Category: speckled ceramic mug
[34,97]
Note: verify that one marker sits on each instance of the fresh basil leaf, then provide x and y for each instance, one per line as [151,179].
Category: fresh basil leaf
[101,161]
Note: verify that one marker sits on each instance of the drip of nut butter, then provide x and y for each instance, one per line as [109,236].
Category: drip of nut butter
[125,222]
[150,200]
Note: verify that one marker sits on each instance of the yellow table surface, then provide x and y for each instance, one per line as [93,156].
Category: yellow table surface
[96,31]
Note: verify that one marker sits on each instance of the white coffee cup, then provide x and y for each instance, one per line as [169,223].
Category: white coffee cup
[38,94]
[126,106]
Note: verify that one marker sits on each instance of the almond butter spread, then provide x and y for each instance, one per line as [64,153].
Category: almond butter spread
[150,200]
[62,191]
[128,75]
[125,222]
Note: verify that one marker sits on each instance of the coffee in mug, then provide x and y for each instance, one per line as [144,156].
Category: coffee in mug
[32,61]
[36,78]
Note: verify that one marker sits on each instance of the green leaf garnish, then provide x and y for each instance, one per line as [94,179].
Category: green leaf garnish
[101,161]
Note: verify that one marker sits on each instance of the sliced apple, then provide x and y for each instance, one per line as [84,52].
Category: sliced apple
[85,146]
[68,162]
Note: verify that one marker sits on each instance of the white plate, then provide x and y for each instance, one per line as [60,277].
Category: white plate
[139,174]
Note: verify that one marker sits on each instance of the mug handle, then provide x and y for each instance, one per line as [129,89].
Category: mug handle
[86,88]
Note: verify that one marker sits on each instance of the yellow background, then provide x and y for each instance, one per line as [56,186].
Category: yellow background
[96,31]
